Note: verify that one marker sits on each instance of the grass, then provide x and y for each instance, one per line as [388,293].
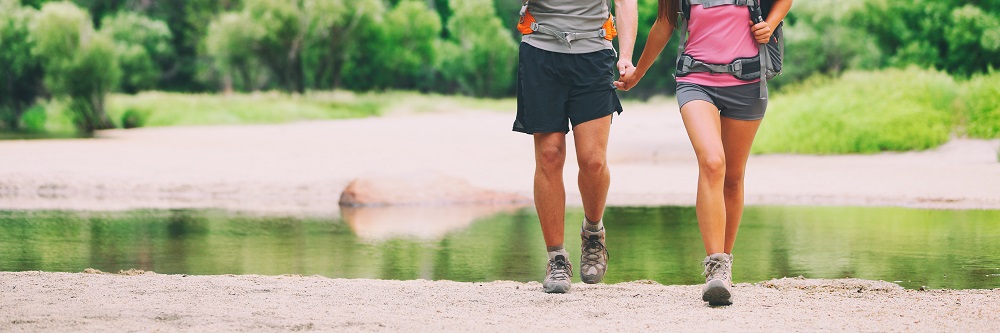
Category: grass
[861,112]
[981,101]
[158,109]
[175,109]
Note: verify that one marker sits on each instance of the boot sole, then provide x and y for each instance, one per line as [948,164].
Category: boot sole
[716,293]
[556,289]
[593,280]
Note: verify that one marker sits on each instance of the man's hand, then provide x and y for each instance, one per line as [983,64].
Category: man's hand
[624,65]
[627,76]
[761,31]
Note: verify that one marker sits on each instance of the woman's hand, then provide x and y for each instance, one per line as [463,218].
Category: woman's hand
[761,31]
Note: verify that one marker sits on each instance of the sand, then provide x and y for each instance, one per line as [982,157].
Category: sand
[301,168]
[34,301]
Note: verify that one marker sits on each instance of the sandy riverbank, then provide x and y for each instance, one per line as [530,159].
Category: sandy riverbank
[303,167]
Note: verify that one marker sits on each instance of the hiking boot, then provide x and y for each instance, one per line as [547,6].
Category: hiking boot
[593,256]
[557,276]
[718,279]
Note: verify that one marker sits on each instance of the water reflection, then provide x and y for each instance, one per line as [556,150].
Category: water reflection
[420,222]
[936,248]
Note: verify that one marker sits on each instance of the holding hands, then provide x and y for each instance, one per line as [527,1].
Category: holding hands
[627,75]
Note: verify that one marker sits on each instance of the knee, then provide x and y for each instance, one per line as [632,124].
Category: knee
[592,164]
[549,159]
[713,166]
[734,183]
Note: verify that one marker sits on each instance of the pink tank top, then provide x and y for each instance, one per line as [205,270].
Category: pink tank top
[718,35]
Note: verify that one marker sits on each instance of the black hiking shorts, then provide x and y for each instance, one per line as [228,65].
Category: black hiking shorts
[556,90]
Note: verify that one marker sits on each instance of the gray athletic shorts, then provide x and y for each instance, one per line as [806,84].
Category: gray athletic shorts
[737,102]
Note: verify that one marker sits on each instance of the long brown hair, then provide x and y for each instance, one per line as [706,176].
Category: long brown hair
[668,10]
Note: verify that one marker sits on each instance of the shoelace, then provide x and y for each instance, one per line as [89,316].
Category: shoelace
[716,269]
[560,269]
[592,250]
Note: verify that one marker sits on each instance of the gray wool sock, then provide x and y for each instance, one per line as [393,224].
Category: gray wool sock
[557,250]
[593,226]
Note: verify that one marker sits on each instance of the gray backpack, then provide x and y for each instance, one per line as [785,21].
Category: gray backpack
[768,58]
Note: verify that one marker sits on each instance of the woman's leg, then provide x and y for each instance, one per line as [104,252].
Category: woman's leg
[701,119]
[737,136]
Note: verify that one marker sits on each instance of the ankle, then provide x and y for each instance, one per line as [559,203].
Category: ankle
[591,225]
[557,251]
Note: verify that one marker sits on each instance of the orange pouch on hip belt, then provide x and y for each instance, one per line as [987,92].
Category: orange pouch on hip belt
[609,28]
[524,25]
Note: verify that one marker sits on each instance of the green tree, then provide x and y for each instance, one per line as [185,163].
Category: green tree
[444,11]
[143,46]
[20,71]
[951,35]
[349,48]
[188,21]
[79,63]
[326,38]
[480,57]
[230,41]
[411,30]
[281,43]
[970,48]
[819,41]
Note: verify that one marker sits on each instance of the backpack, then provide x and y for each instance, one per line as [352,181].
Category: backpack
[769,57]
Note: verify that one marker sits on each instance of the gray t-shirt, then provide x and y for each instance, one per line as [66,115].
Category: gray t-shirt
[569,16]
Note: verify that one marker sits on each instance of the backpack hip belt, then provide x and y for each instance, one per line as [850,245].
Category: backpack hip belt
[742,68]
[528,25]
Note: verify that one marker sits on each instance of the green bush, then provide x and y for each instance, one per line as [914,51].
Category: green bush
[981,96]
[133,118]
[33,120]
[861,112]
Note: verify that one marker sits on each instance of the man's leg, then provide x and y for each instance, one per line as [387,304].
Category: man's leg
[591,139]
[550,203]
[550,193]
